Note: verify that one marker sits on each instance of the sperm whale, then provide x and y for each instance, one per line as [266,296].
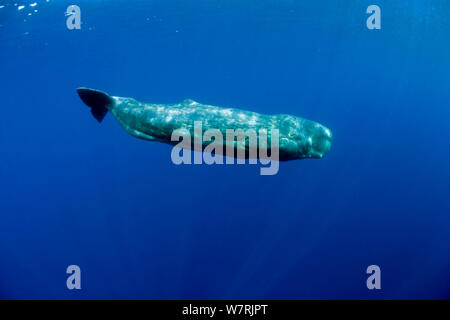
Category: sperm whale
[298,138]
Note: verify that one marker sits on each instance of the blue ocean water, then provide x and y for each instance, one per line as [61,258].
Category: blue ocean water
[73,191]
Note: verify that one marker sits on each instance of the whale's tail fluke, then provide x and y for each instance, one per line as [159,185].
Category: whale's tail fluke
[97,100]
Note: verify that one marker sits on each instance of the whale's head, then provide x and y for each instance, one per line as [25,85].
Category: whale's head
[318,139]
[302,139]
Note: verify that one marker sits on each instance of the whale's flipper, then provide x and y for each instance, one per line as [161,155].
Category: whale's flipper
[97,100]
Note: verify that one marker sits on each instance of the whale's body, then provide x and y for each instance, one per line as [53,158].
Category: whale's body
[298,138]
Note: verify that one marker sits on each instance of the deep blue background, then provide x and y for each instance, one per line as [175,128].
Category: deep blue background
[73,191]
